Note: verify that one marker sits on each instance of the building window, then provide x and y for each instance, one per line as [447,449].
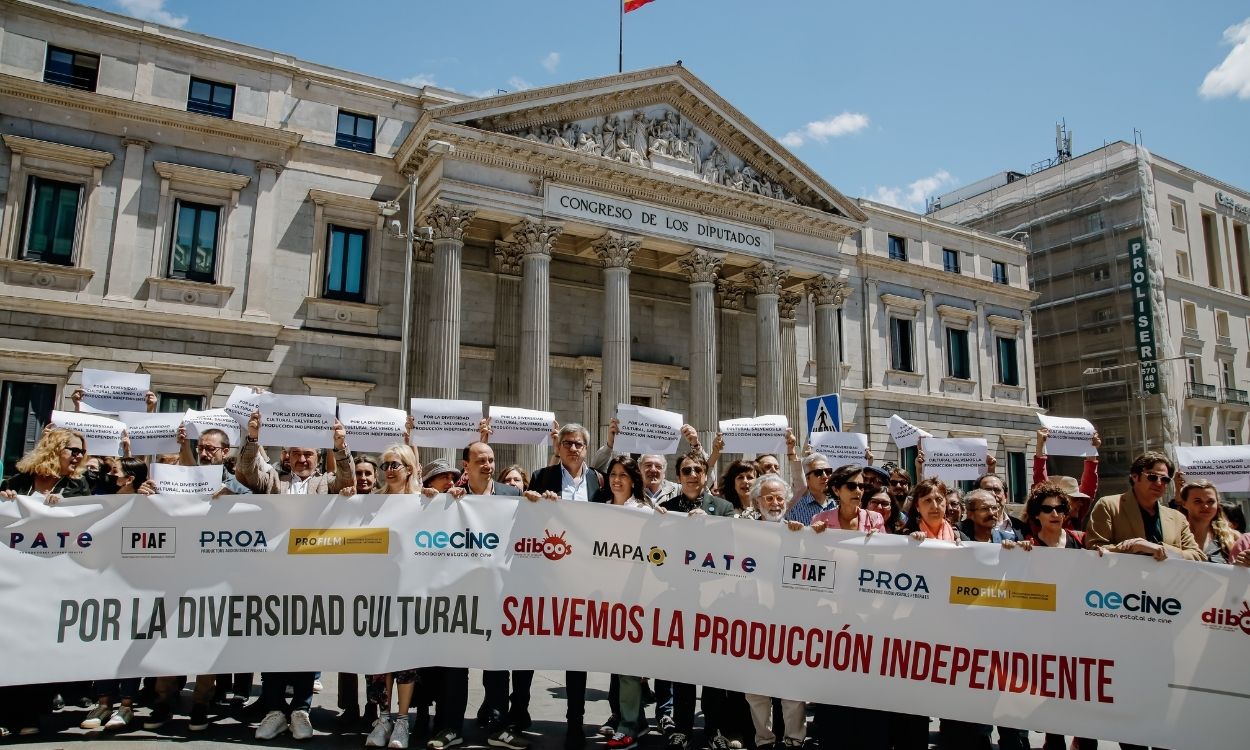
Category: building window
[901,345]
[1000,272]
[1178,216]
[1093,223]
[356,132]
[1008,368]
[1221,324]
[174,403]
[1198,435]
[77,70]
[950,261]
[1189,316]
[211,98]
[1226,374]
[51,221]
[1183,269]
[909,462]
[345,264]
[1230,437]
[1110,375]
[1017,479]
[898,247]
[193,256]
[957,364]
[1104,314]
[24,410]
[1102,273]
[1191,369]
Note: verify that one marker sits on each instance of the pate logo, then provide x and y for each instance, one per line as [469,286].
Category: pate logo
[143,541]
[987,592]
[551,546]
[467,543]
[631,552]
[1141,606]
[1228,620]
[359,541]
[222,541]
[813,574]
[892,583]
[39,542]
[722,564]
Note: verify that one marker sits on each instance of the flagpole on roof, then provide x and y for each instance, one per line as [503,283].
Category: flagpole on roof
[620,50]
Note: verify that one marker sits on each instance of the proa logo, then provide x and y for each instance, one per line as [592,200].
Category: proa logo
[631,552]
[140,541]
[243,540]
[551,546]
[891,583]
[807,573]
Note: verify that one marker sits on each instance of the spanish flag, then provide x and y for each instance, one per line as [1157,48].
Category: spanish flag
[634,4]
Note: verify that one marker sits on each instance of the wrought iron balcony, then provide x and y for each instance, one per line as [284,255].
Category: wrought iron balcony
[1235,396]
[1201,390]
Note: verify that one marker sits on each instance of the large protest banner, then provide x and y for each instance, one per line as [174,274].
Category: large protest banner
[102,587]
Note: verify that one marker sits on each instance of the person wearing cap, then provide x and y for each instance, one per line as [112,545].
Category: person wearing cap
[877,478]
[816,473]
[1137,521]
[1078,500]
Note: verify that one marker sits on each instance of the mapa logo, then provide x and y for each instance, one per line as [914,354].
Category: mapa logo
[233,541]
[631,552]
[551,546]
[1218,618]
[142,541]
[807,573]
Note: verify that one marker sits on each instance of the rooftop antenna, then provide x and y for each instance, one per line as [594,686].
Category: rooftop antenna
[1063,142]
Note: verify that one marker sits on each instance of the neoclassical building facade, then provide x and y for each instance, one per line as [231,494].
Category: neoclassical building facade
[215,214]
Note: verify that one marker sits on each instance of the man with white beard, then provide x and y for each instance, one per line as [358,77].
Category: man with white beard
[769,495]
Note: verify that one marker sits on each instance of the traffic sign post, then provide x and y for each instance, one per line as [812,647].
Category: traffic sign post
[824,414]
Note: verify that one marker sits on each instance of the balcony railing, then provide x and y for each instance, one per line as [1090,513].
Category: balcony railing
[1235,396]
[1201,390]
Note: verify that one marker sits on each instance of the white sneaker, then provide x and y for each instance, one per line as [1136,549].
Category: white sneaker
[96,717]
[399,735]
[271,726]
[381,731]
[301,725]
[317,686]
[121,718]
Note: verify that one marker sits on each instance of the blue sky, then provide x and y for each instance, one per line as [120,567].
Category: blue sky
[886,100]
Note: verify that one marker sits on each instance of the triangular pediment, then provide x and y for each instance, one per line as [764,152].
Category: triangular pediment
[664,119]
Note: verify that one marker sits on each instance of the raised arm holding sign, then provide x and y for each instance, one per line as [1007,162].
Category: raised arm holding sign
[306,421]
[955,459]
[444,423]
[766,434]
[104,434]
[511,425]
[151,434]
[107,392]
[642,429]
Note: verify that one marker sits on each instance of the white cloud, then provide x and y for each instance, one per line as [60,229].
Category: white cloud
[1232,76]
[152,10]
[551,61]
[913,196]
[419,80]
[837,126]
[517,83]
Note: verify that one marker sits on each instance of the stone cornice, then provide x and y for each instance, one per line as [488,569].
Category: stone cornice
[200,176]
[873,397]
[115,109]
[138,316]
[939,281]
[1004,323]
[956,313]
[84,157]
[346,202]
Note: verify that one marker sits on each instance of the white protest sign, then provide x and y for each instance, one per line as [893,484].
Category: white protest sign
[151,433]
[954,459]
[840,448]
[444,423]
[242,402]
[1068,436]
[107,392]
[186,480]
[304,421]
[645,430]
[212,419]
[372,428]
[104,434]
[905,434]
[766,434]
[515,426]
[1225,466]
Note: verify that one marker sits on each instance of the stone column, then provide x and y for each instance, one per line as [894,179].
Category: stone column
[729,392]
[985,355]
[787,307]
[261,260]
[1030,372]
[616,251]
[442,348]
[122,286]
[828,294]
[878,349]
[509,257]
[933,345]
[701,268]
[535,238]
[767,278]
[423,255]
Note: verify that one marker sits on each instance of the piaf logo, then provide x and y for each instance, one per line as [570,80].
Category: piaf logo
[551,546]
[813,574]
[144,541]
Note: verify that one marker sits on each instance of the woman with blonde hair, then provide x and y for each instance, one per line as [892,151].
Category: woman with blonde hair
[52,469]
[401,471]
[1199,500]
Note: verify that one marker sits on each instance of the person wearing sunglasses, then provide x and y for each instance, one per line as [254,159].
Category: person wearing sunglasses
[52,470]
[846,487]
[816,473]
[1137,521]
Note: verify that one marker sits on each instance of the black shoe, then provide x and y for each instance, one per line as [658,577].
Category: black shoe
[575,737]
[718,742]
[349,718]
[253,712]
[487,717]
[199,718]
[521,721]
[609,727]
[678,741]
[58,702]
[371,713]
[161,714]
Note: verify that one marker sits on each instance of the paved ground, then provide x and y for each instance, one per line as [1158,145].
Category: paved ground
[546,708]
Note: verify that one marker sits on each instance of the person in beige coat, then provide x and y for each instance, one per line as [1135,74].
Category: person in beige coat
[1137,521]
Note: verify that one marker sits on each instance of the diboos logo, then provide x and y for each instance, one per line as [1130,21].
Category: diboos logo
[363,541]
[1139,605]
[890,583]
[807,573]
[35,542]
[551,546]
[467,543]
[1218,618]
[243,540]
[722,564]
[987,592]
[631,552]
[149,542]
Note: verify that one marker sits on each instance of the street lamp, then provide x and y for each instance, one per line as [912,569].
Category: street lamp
[1141,389]
[389,209]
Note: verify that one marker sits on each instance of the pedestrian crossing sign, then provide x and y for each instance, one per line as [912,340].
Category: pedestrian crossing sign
[824,414]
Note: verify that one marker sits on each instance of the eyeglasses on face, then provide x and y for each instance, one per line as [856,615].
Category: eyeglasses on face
[209,448]
[900,482]
[1061,509]
[820,472]
[573,444]
[691,471]
[852,486]
[392,466]
[1157,478]
[75,452]
[878,503]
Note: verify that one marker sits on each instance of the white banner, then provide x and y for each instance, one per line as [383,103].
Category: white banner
[303,421]
[104,434]
[1225,466]
[511,425]
[646,430]
[151,433]
[108,392]
[171,479]
[1068,436]
[766,434]
[242,402]
[372,429]
[445,423]
[373,583]
[954,459]
[212,419]
[904,433]
[841,448]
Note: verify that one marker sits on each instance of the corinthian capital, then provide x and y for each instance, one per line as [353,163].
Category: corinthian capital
[510,255]
[731,295]
[826,290]
[616,250]
[536,236]
[767,277]
[788,303]
[700,266]
[423,249]
[449,221]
